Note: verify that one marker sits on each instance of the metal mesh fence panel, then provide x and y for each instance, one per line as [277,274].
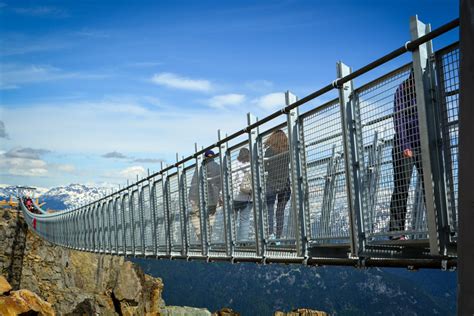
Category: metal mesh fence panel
[81,229]
[109,228]
[100,227]
[159,217]
[90,225]
[213,196]
[128,223]
[136,220]
[242,213]
[277,187]
[175,213]
[119,224]
[192,210]
[148,218]
[326,182]
[393,188]
[448,82]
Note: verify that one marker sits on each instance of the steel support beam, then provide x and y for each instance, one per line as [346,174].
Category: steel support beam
[257,190]
[351,160]
[297,217]
[466,158]
[224,160]
[424,104]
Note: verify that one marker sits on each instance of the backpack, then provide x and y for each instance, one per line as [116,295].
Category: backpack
[246,184]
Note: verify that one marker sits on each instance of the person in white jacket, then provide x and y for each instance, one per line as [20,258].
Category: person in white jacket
[242,194]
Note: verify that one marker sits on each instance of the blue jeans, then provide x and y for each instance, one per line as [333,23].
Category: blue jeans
[242,211]
[282,196]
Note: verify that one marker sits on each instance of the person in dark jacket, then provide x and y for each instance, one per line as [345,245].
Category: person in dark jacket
[405,153]
[212,173]
[277,167]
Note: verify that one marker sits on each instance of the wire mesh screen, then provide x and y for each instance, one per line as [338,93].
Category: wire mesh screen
[100,227]
[157,191]
[175,213]
[128,223]
[242,213]
[111,226]
[448,81]
[90,229]
[326,179]
[73,230]
[275,169]
[136,229]
[393,185]
[213,197]
[192,209]
[147,218]
[119,224]
[81,241]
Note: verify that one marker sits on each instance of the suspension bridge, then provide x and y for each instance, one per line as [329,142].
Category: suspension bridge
[369,178]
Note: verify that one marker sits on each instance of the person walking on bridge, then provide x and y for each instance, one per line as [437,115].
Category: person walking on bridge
[406,152]
[212,172]
[242,194]
[277,167]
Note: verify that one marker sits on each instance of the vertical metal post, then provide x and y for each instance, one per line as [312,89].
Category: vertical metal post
[202,186]
[124,232]
[132,220]
[351,159]
[466,157]
[298,206]
[99,230]
[201,202]
[154,209]
[224,158]
[182,206]
[166,211]
[104,224]
[87,233]
[255,164]
[142,218]
[116,221]
[432,177]
[110,214]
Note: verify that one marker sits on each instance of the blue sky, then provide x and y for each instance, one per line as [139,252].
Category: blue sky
[99,91]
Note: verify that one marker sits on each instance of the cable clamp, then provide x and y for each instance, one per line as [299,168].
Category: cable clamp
[335,84]
[406,45]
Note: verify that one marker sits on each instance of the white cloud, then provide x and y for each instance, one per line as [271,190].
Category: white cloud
[132,172]
[23,166]
[114,154]
[271,101]
[178,82]
[66,168]
[26,153]
[222,101]
[15,75]
[260,86]
[113,125]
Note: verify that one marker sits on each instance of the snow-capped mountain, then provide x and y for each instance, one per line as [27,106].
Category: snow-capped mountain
[60,198]
[11,190]
[72,195]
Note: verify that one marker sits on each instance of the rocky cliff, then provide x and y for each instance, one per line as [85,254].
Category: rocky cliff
[73,282]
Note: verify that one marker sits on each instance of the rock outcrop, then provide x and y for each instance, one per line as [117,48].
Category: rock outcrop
[301,312]
[21,302]
[72,282]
